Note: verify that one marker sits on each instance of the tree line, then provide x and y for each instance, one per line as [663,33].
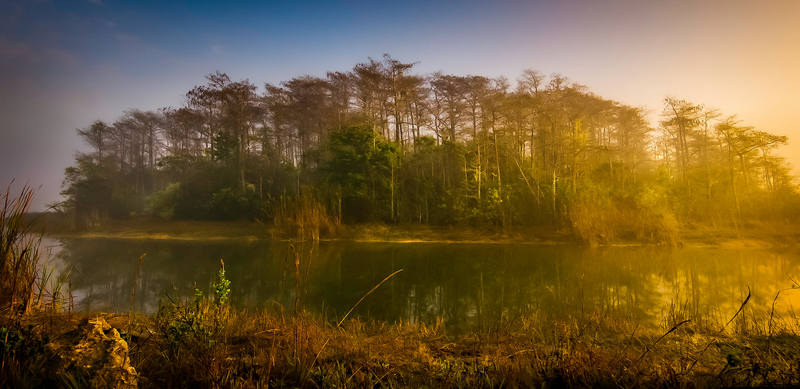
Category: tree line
[379,143]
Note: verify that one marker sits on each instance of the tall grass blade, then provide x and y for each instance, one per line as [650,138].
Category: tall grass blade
[365,296]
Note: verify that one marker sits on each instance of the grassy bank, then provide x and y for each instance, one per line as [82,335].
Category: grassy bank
[146,228]
[749,235]
[237,349]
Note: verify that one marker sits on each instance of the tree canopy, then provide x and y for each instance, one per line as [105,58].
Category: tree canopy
[379,143]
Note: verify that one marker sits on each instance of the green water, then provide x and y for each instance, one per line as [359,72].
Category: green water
[467,286]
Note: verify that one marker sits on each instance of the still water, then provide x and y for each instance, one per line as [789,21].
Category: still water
[467,286]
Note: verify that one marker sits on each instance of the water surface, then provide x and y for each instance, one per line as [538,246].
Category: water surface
[468,286]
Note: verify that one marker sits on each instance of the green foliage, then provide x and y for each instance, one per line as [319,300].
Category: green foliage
[198,298]
[196,326]
[21,351]
[225,147]
[179,165]
[222,288]
[10,341]
[186,326]
[361,164]
[203,198]
[379,144]
[162,204]
[88,192]
[228,204]
[191,202]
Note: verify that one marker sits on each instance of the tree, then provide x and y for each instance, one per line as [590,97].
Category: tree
[740,142]
[361,165]
[97,136]
[680,122]
[450,94]
[378,143]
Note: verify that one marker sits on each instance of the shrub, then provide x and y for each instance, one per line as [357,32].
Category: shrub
[227,204]
[162,204]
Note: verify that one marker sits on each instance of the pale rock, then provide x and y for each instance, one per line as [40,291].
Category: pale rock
[96,351]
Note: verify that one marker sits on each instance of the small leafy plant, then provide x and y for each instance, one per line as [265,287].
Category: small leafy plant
[198,323]
[223,288]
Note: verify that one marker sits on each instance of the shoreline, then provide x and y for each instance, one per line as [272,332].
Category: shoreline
[756,236]
[206,343]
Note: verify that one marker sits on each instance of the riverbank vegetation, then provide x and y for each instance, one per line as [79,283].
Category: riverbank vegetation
[753,234]
[25,282]
[259,349]
[380,144]
[196,339]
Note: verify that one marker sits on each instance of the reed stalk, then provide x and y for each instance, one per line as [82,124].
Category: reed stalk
[19,254]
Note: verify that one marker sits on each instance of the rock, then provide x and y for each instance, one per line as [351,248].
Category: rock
[97,352]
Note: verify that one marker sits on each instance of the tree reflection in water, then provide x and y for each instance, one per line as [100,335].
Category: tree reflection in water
[467,286]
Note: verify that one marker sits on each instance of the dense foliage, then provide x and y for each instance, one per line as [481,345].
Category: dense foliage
[379,143]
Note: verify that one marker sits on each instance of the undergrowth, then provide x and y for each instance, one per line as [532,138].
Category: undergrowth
[188,347]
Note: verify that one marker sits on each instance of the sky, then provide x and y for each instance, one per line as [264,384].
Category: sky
[64,64]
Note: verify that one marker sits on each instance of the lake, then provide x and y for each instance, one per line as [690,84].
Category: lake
[468,287]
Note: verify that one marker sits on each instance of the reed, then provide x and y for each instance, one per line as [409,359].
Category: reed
[27,288]
[24,283]
[596,220]
[302,218]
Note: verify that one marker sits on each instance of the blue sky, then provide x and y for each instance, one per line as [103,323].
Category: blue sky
[65,63]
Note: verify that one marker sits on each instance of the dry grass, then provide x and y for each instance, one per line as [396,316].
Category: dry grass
[279,349]
[303,218]
[25,283]
[593,223]
[19,253]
